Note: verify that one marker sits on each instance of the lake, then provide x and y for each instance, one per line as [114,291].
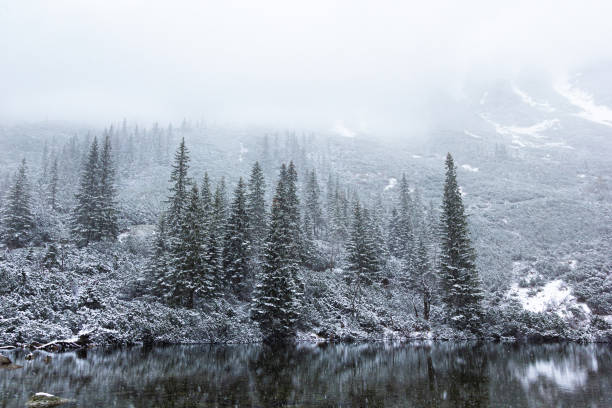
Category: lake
[345,375]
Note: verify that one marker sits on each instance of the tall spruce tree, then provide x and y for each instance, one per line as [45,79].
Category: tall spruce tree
[362,251]
[237,245]
[218,220]
[211,285]
[405,230]
[275,304]
[188,268]
[53,185]
[158,265]
[180,188]
[256,208]
[17,218]
[309,250]
[312,205]
[293,211]
[108,213]
[462,293]
[86,215]
[173,283]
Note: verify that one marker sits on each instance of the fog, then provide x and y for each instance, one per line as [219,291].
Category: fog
[371,66]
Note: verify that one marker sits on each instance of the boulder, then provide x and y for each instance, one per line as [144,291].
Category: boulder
[4,360]
[44,400]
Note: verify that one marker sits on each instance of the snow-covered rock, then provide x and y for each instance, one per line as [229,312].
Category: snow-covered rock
[43,400]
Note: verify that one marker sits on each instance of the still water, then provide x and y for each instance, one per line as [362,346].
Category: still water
[371,375]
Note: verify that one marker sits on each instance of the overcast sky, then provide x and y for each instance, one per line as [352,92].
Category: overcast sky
[285,63]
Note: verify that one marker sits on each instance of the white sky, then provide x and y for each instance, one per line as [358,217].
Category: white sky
[277,62]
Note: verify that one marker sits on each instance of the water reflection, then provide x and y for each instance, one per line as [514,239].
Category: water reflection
[372,375]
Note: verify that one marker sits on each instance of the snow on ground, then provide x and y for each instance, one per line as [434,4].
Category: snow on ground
[555,297]
[534,131]
[581,175]
[469,168]
[545,106]
[392,183]
[416,156]
[340,129]
[470,134]
[590,109]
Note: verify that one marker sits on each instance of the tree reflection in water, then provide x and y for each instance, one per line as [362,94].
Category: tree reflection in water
[369,375]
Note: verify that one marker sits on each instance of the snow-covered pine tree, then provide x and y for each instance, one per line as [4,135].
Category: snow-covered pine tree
[393,234]
[237,245]
[218,224]
[293,210]
[158,265]
[406,237]
[53,184]
[376,236]
[108,218]
[275,301]
[86,215]
[175,279]
[462,293]
[363,263]
[206,196]
[309,253]
[189,270]
[329,203]
[179,190]
[362,256]
[256,209]
[312,205]
[422,279]
[17,218]
[210,287]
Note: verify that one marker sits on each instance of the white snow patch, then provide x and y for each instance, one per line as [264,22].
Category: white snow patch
[545,106]
[392,183]
[44,394]
[590,109]
[340,129]
[555,296]
[243,151]
[470,134]
[581,175]
[534,131]
[463,193]
[469,168]
[416,156]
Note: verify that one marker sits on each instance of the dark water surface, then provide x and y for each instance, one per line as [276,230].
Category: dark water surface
[372,375]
